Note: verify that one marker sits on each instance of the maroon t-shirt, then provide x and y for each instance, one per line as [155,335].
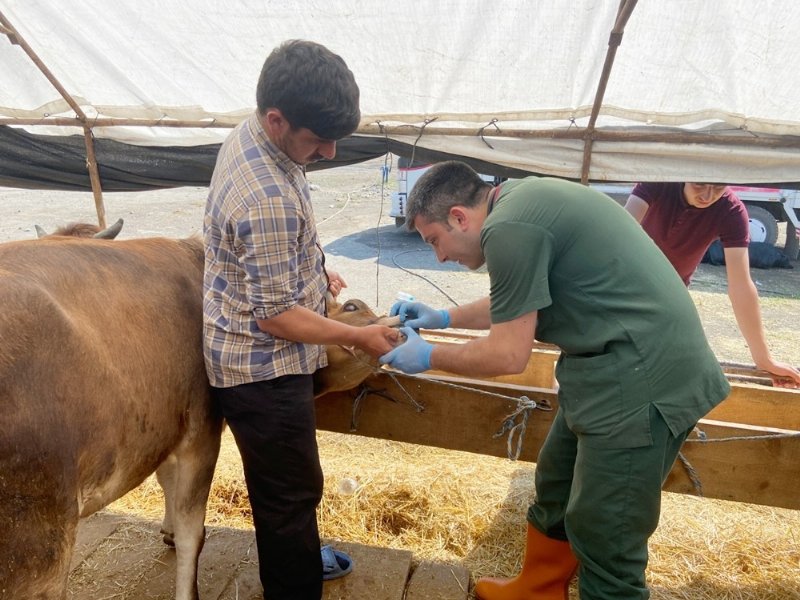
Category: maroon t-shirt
[684,232]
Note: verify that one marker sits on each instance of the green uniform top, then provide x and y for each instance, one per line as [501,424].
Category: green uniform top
[607,296]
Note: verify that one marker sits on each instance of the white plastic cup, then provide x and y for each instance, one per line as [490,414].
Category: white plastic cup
[348,486]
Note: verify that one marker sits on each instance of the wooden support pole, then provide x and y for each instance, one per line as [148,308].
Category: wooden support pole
[615,39]
[94,177]
[91,161]
[731,138]
[118,122]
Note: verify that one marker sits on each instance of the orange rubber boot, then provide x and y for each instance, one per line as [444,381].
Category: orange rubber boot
[547,570]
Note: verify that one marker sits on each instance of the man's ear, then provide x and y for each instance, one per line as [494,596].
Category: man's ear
[460,216]
[273,121]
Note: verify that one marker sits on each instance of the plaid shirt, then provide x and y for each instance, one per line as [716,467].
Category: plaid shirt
[262,257]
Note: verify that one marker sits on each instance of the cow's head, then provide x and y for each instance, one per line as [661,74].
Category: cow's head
[347,367]
[83,230]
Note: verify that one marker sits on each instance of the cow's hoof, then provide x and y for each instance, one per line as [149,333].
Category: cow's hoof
[168,538]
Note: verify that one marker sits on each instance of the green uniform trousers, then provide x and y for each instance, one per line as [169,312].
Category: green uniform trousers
[606,502]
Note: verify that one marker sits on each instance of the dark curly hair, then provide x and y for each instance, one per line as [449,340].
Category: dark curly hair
[312,87]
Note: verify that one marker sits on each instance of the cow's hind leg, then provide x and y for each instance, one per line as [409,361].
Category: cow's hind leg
[166,476]
[193,472]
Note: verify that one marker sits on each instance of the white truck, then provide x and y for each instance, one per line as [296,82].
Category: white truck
[766,207]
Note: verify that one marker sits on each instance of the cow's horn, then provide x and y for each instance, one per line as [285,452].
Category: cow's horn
[40,233]
[109,233]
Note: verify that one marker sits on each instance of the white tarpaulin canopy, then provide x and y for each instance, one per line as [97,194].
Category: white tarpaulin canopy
[696,90]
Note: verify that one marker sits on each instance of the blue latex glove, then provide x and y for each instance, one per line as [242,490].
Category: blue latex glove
[420,316]
[412,356]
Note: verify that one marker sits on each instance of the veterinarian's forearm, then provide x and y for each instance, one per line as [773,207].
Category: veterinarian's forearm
[471,316]
[505,351]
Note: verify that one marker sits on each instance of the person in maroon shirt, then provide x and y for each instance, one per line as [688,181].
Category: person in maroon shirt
[684,219]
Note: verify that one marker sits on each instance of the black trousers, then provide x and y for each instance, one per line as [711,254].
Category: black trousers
[274,426]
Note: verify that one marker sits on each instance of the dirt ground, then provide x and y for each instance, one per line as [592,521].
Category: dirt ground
[378,260]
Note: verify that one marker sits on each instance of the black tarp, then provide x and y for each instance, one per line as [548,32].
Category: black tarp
[47,162]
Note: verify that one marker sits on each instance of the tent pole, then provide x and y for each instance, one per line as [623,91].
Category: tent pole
[722,138]
[615,39]
[91,162]
[733,138]
[94,176]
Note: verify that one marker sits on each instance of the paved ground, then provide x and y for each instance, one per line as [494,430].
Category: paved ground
[123,558]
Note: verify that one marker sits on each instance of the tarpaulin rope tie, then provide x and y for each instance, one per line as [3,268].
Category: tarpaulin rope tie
[416,141]
[482,129]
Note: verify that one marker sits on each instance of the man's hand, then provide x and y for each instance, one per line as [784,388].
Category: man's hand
[377,340]
[420,316]
[336,282]
[783,375]
[412,356]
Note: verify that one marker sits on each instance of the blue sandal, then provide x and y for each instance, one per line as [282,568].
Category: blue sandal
[335,563]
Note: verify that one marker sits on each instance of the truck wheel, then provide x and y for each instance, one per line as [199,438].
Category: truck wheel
[763,226]
[792,247]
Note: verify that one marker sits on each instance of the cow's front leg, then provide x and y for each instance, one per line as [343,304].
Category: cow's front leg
[194,471]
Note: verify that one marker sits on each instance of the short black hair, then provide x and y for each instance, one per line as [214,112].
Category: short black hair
[312,87]
[443,186]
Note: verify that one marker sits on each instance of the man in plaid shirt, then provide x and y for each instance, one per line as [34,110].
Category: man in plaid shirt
[264,303]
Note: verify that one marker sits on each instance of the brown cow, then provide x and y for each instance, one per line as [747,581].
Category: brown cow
[102,382]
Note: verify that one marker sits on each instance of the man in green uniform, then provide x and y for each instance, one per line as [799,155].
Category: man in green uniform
[568,266]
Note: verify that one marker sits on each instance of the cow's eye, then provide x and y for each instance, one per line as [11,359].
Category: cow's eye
[349,307]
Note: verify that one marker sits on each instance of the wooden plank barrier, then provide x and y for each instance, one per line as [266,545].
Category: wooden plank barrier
[759,463]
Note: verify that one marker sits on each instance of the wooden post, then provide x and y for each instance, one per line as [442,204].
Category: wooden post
[91,161]
[615,39]
[94,177]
